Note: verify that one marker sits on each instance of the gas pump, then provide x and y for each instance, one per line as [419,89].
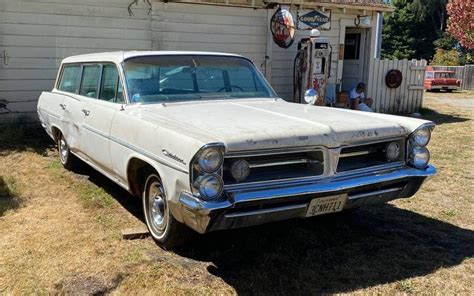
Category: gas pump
[311,69]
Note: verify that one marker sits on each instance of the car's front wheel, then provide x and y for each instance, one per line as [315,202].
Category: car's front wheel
[68,160]
[163,227]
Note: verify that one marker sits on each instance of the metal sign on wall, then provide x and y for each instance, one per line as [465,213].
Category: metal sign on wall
[313,19]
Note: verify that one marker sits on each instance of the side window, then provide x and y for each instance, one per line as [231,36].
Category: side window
[111,89]
[70,78]
[90,81]
[429,74]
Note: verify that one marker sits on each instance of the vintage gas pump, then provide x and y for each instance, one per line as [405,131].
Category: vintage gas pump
[312,69]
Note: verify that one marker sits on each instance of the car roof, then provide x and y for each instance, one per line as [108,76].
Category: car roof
[120,56]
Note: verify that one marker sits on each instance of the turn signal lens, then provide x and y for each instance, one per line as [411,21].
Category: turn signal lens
[240,170]
[392,151]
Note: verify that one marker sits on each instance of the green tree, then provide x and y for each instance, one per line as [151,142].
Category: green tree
[414,27]
[398,41]
[445,57]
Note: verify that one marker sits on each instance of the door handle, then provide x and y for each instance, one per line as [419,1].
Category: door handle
[63,106]
[86,112]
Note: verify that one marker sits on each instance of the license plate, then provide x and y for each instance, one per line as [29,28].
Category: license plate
[326,205]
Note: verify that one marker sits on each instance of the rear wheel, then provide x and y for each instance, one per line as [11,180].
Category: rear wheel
[164,228]
[68,160]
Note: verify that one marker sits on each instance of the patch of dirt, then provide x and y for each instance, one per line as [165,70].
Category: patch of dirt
[88,286]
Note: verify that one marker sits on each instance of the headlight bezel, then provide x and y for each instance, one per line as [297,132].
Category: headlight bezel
[413,145]
[196,171]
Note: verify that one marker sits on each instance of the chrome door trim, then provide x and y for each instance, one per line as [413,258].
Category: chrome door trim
[135,148]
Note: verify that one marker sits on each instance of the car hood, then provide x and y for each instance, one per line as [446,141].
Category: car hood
[252,124]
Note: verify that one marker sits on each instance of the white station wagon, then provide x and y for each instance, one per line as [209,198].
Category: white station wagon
[207,144]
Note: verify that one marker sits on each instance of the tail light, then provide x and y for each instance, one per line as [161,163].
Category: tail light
[458,82]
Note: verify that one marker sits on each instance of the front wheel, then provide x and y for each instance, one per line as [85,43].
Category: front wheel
[163,227]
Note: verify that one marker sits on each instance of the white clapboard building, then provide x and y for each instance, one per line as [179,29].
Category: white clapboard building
[35,35]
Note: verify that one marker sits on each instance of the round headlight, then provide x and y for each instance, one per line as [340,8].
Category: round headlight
[421,136]
[240,170]
[210,186]
[419,157]
[392,151]
[210,160]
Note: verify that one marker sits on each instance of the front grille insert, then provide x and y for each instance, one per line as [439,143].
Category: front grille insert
[366,156]
[280,166]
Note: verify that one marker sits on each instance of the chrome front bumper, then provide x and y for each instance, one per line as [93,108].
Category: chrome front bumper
[253,206]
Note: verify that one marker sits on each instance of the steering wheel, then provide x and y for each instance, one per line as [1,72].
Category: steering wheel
[231,87]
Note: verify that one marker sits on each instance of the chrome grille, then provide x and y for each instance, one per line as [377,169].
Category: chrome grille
[280,166]
[366,156]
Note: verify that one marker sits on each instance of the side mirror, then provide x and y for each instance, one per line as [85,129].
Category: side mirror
[310,96]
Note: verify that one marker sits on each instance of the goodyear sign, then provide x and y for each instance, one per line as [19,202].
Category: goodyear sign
[314,19]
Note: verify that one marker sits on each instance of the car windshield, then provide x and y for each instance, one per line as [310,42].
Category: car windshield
[168,78]
[444,75]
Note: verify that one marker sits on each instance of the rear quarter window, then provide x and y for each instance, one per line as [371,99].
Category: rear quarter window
[70,78]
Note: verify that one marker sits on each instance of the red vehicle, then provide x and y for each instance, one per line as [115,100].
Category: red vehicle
[436,80]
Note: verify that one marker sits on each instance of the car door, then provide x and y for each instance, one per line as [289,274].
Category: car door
[71,105]
[103,97]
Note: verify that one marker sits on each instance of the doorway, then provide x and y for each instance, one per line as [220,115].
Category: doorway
[354,57]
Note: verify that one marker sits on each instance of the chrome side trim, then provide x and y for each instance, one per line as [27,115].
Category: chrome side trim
[371,193]
[135,148]
[267,211]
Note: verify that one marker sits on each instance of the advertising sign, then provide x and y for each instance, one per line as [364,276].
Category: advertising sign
[283,27]
[313,19]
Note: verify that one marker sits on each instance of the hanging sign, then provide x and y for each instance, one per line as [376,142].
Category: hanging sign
[313,19]
[283,27]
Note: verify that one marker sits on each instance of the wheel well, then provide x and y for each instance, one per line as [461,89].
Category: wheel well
[56,132]
[137,171]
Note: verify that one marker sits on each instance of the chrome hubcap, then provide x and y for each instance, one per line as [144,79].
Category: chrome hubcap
[63,150]
[157,206]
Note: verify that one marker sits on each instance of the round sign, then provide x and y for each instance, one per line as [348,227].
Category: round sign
[283,27]
[394,78]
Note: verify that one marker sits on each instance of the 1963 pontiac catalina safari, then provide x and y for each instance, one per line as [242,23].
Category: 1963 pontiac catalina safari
[207,144]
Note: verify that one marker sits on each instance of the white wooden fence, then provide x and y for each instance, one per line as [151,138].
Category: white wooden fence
[405,99]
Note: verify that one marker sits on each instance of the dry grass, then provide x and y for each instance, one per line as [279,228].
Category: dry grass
[60,232]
